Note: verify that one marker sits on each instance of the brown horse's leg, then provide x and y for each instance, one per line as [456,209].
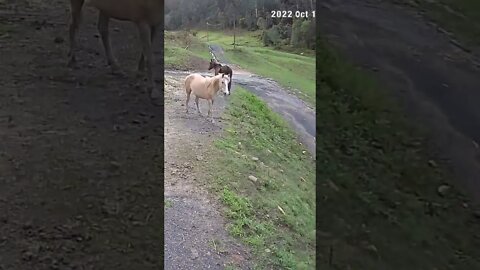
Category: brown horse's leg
[141,61]
[196,103]
[75,20]
[230,83]
[145,37]
[103,23]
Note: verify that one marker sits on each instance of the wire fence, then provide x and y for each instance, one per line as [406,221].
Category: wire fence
[212,27]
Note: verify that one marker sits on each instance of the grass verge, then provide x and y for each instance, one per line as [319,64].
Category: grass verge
[381,207]
[181,49]
[461,17]
[267,183]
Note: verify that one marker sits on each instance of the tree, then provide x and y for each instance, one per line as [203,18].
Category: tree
[245,14]
[236,4]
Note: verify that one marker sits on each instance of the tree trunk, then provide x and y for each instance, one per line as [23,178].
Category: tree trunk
[292,32]
[234,31]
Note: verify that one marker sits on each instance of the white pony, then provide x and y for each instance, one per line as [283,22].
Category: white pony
[205,88]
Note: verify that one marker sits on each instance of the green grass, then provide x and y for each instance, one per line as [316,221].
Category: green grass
[230,267]
[462,17]
[291,70]
[168,203]
[285,180]
[380,208]
[180,49]
[250,39]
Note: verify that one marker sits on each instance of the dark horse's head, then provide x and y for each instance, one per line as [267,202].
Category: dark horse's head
[213,64]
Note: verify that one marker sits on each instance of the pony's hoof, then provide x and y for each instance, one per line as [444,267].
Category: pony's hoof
[155,93]
[72,63]
[139,75]
[156,102]
[119,73]
[155,97]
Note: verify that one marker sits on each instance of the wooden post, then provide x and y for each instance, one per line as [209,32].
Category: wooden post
[234,31]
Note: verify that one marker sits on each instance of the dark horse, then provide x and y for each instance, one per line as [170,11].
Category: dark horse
[222,69]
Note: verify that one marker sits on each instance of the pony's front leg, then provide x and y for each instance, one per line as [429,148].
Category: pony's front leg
[75,20]
[103,24]
[141,61]
[145,37]
[210,105]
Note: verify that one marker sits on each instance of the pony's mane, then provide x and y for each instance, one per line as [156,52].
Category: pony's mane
[216,80]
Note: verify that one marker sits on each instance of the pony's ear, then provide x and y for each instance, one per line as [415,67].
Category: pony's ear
[223,75]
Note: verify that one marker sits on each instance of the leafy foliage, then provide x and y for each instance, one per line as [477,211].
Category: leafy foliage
[248,15]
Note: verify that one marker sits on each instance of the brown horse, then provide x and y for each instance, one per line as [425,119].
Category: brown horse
[205,88]
[219,68]
[146,14]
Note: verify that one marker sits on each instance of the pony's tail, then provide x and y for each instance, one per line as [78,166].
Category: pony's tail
[188,80]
